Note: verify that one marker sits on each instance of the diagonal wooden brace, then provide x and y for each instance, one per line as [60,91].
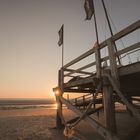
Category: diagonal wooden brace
[93,123]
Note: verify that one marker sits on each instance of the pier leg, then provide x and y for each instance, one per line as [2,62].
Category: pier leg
[109,107]
[59,123]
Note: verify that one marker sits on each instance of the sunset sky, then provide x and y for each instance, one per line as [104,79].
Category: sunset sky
[29,54]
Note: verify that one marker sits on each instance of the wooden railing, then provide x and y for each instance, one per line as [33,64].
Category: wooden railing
[99,60]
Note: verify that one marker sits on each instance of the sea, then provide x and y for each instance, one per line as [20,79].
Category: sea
[12,104]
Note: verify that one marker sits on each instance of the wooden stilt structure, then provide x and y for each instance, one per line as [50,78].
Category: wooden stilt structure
[114,82]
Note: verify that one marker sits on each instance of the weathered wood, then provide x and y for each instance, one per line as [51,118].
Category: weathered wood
[124,100]
[115,37]
[120,52]
[92,111]
[93,123]
[84,84]
[113,63]
[127,30]
[109,107]
[81,82]
[86,103]
[59,123]
[79,90]
[129,69]
[98,61]
[76,71]
[130,48]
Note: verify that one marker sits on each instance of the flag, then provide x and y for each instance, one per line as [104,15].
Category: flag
[89,9]
[60,33]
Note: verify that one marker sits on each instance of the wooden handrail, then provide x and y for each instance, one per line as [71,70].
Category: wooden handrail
[115,37]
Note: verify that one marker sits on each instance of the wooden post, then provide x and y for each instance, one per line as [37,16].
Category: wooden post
[109,107]
[59,123]
[98,60]
[113,63]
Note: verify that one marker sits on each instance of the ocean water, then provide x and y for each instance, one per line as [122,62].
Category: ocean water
[10,104]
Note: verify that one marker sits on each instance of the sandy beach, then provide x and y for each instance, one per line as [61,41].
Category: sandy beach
[39,124]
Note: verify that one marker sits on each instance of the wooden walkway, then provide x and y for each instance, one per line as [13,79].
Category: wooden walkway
[109,83]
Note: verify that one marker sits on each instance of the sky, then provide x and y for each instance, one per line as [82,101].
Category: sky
[29,53]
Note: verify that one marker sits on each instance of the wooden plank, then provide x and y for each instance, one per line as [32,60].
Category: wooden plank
[92,111]
[79,90]
[93,123]
[115,37]
[82,68]
[130,48]
[79,82]
[76,71]
[127,30]
[129,69]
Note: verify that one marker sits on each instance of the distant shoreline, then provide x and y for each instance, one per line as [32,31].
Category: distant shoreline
[11,104]
[17,107]
[25,101]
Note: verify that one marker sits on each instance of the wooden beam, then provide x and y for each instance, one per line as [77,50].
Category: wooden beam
[93,123]
[92,111]
[130,48]
[79,82]
[129,69]
[82,68]
[79,90]
[76,71]
[115,37]
[127,30]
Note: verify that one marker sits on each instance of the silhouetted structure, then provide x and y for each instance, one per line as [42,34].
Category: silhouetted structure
[110,83]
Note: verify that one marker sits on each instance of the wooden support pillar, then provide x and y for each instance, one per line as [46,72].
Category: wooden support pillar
[109,106]
[113,62]
[59,123]
[98,60]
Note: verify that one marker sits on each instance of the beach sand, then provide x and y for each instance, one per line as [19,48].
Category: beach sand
[39,124]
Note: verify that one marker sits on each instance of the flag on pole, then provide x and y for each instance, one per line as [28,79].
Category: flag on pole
[89,9]
[60,33]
